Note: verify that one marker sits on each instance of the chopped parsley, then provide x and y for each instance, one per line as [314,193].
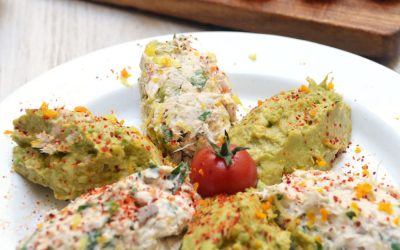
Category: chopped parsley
[279,196]
[84,206]
[152,165]
[134,190]
[203,117]
[112,207]
[351,214]
[199,79]
[319,246]
[395,246]
[24,247]
[92,239]
[167,133]
[178,175]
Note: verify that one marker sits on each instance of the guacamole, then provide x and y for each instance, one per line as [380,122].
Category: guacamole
[74,151]
[302,128]
[240,221]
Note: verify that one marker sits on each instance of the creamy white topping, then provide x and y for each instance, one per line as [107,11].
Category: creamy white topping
[340,211]
[147,210]
[186,99]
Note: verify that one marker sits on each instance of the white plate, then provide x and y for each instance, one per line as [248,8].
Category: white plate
[282,63]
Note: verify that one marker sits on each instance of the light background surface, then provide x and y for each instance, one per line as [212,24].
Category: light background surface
[37,35]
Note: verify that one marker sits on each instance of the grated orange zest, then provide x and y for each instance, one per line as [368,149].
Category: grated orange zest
[321,162]
[311,218]
[49,114]
[385,207]
[363,189]
[81,109]
[304,89]
[324,214]
[260,215]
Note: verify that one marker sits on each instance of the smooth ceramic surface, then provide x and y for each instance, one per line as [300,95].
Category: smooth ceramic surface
[282,63]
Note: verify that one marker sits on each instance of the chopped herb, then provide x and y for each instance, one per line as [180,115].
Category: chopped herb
[109,244]
[167,133]
[134,190]
[224,151]
[351,214]
[84,206]
[112,207]
[203,117]
[199,79]
[279,196]
[178,175]
[152,165]
[319,246]
[124,142]
[395,246]
[92,239]
[25,246]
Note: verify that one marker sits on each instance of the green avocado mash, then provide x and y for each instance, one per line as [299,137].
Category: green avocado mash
[72,152]
[303,128]
[235,222]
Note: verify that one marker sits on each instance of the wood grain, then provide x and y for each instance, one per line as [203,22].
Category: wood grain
[37,35]
[366,27]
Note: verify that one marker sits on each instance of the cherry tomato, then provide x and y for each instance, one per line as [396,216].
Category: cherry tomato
[219,173]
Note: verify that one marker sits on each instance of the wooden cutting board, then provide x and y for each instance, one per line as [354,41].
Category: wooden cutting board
[367,27]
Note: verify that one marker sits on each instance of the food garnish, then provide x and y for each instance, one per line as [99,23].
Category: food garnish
[224,169]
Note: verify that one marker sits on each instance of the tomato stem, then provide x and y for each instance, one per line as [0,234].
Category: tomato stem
[224,151]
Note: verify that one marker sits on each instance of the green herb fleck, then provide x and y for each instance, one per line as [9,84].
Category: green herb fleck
[279,196]
[84,206]
[395,246]
[351,214]
[109,244]
[199,79]
[112,207]
[25,246]
[203,117]
[152,165]
[134,190]
[167,133]
[125,142]
[319,246]
[92,239]
[178,175]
